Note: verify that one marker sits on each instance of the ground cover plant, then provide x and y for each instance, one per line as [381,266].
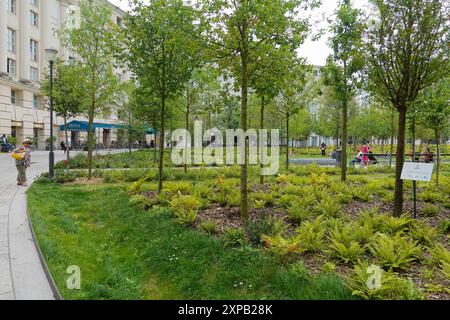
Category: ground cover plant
[303,216]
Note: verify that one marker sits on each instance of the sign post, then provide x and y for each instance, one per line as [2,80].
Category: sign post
[417,172]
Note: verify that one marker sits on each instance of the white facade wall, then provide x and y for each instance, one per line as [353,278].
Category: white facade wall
[25,119]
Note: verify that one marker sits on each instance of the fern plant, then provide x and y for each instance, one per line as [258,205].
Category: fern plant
[423,234]
[281,247]
[209,226]
[395,252]
[185,208]
[329,207]
[393,225]
[311,235]
[347,252]
[439,254]
[297,213]
[445,268]
[370,282]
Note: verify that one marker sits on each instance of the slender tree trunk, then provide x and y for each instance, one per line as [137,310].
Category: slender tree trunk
[400,157]
[161,144]
[261,126]
[382,145]
[130,142]
[392,139]
[438,157]
[287,141]
[187,128]
[344,141]
[154,136]
[66,135]
[90,140]
[244,105]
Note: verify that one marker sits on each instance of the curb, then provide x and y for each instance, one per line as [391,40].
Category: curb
[52,283]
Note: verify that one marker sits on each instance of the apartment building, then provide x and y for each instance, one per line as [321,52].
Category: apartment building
[27,28]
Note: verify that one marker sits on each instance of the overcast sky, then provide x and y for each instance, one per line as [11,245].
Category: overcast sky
[315,51]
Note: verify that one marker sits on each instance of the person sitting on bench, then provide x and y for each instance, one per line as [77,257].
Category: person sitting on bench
[358,159]
[427,156]
[372,158]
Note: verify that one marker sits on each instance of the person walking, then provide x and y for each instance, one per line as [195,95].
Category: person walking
[323,148]
[63,147]
[22,155]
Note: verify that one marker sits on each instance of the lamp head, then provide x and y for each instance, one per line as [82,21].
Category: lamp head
[51,54]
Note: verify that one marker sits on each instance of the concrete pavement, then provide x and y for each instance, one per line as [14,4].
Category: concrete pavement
[22,275]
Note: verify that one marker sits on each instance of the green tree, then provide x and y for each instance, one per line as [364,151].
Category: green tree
[434,112]
[297,91]
[237,31]
[329,118]
[161,53]
[67,96]
[406,52]
[95,44]
[344,65]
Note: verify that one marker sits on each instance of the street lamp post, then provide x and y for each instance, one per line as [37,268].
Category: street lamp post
[51,56]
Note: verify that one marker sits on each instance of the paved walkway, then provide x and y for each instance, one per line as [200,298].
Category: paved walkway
[22,276]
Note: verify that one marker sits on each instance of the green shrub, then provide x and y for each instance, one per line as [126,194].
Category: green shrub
[361,194]
[300,271]
[311,235]
[423,234]
[394,252]
[370,282]
[185,208]
[430,196]
[284,201]
[430,210]
[281,247]
[233,237]
[328,267]
[209,226]
[444,226]
[387,223]
[439,254]
[267,197]
[363,231]
[345,252]
[297,213]
[329,207]
[445,268]
[343,246]
[264,225]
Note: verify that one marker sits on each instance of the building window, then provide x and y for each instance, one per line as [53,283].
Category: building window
[11,67]
[13,97]
[34,3]
[35,101]
[34,18]
[72,61]
[119,22]
[11,40]
[12,6]
[34,50]
[33,74]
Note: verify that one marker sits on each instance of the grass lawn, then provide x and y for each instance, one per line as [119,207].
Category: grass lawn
[125,252]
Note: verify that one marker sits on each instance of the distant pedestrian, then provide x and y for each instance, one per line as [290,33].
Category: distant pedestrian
[22,155]
[323,148]
[63,147]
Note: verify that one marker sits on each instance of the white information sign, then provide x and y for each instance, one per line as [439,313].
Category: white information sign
[417,171]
